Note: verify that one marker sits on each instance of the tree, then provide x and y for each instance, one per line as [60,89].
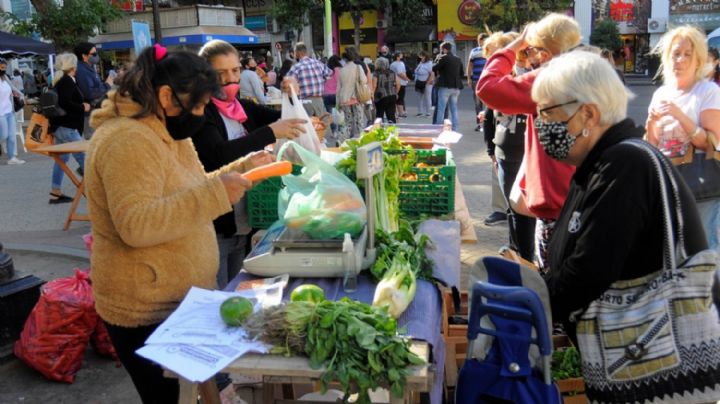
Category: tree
[292,13]
[507,15]
[606,35]
[75,21]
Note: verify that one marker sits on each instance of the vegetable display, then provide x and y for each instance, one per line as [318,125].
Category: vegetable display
[566,364]
[401,260]
[399,158]
[357,343]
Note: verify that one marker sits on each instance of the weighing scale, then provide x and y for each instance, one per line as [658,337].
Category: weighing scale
[291,251]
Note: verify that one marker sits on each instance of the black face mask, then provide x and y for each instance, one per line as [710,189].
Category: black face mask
[252,69]
[2,73]
[184,125]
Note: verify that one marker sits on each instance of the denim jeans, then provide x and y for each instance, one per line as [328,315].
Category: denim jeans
[521,228]
[232,254]
[66,135]
[710,216]
[478,102]
[7,133]
[448,97]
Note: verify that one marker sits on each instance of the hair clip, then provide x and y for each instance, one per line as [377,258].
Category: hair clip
[160,52]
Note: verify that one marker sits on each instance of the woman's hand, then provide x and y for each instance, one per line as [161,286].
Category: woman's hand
[257,159]
[520,43]
[288,128]
[235,186]
[290,82]
[669,108]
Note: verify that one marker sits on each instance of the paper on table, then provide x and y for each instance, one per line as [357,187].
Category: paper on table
[197,363]
[448,137]
[197,320]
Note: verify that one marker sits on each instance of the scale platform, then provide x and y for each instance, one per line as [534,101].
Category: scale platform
[287,251]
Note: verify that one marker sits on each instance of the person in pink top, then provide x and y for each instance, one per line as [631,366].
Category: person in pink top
[329,95]
[545,182]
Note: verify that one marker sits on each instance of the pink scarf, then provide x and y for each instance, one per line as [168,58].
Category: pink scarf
[230,107]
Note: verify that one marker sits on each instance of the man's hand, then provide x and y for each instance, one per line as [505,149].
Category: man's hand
[289,82]
[86,106]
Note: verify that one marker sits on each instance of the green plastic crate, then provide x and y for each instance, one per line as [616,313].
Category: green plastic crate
[262,201]
[434,191]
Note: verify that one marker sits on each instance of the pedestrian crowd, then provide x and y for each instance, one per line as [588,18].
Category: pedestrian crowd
[584,197]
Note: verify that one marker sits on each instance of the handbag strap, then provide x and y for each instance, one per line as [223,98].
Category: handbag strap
[663,170]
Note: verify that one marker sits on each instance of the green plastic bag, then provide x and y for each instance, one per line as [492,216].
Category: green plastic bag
[320,201]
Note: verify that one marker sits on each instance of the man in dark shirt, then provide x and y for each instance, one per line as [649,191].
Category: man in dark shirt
[449,70]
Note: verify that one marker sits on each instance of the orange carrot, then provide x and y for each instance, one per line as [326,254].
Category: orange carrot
[275,169]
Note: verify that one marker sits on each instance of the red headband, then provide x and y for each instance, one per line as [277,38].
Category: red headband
[160,52]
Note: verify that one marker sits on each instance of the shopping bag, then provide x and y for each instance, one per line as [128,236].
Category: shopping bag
[292,107]
[37,133]
[321,201]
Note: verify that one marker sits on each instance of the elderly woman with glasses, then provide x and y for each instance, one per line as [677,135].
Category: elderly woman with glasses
[544,182]
[611,225]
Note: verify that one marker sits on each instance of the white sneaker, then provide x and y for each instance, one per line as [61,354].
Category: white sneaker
[15,161]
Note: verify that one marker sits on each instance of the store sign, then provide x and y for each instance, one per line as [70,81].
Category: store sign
[257,6]
[367,35]
[621,11]
[469,12]
[631,15]
[256,22]
[694,6]
[706,21]
[455,20]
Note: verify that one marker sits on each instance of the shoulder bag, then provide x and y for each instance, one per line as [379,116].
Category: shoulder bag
[361,90]
[702,175]
[655,338]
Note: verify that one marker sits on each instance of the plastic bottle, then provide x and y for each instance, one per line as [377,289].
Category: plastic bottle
[350,278]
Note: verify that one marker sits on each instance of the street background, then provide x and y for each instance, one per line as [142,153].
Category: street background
[31,231]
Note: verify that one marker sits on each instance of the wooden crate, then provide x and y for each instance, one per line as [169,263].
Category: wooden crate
[572,390]
[455,336]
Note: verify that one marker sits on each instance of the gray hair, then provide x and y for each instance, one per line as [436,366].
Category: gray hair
[64,63]
[382,64]
[587,78]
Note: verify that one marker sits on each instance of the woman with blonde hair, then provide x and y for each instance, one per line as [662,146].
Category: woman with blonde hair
[686,109]
[544,182]
[67,128]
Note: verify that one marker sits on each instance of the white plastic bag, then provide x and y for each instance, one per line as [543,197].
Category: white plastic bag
[292,107]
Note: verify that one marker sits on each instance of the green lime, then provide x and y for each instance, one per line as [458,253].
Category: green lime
[235,310]
[307,293]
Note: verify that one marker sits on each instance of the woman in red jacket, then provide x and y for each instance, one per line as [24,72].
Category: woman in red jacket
[545,182]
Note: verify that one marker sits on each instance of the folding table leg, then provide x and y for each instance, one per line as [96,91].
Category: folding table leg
[73,207]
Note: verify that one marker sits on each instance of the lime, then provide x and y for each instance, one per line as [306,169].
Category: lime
[307,293]
[235,310]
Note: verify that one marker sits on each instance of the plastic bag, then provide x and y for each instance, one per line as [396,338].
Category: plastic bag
[57,332]
[101,343]
[320,201]
[292,107]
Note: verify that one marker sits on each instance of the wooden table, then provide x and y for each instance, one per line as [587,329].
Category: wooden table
[278,369]
[56,151]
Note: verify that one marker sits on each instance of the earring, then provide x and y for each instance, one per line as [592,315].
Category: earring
[585,132]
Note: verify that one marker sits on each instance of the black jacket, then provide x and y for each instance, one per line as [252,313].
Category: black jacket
[611,225]
[449,69]
[215,150]
[71,100]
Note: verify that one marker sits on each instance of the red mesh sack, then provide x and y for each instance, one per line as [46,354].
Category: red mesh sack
[100,341]
[57,331]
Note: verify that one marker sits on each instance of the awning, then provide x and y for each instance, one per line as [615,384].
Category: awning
[198,35]
[18,45]
[421,33]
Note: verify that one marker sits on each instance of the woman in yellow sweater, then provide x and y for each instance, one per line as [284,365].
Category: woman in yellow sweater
[152,204]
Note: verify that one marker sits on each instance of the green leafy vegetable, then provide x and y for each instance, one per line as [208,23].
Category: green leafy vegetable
[357,343]
[566,364]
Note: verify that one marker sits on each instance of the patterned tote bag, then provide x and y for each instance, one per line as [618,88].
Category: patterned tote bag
[656,338]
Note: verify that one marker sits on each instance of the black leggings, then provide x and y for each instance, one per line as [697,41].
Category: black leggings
[386,106]
[147,376]
[401,96]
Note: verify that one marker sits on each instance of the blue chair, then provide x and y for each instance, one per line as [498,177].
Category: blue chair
[513,317]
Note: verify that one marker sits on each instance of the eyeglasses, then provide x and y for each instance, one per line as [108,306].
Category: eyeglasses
[543,111]
[532,50]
